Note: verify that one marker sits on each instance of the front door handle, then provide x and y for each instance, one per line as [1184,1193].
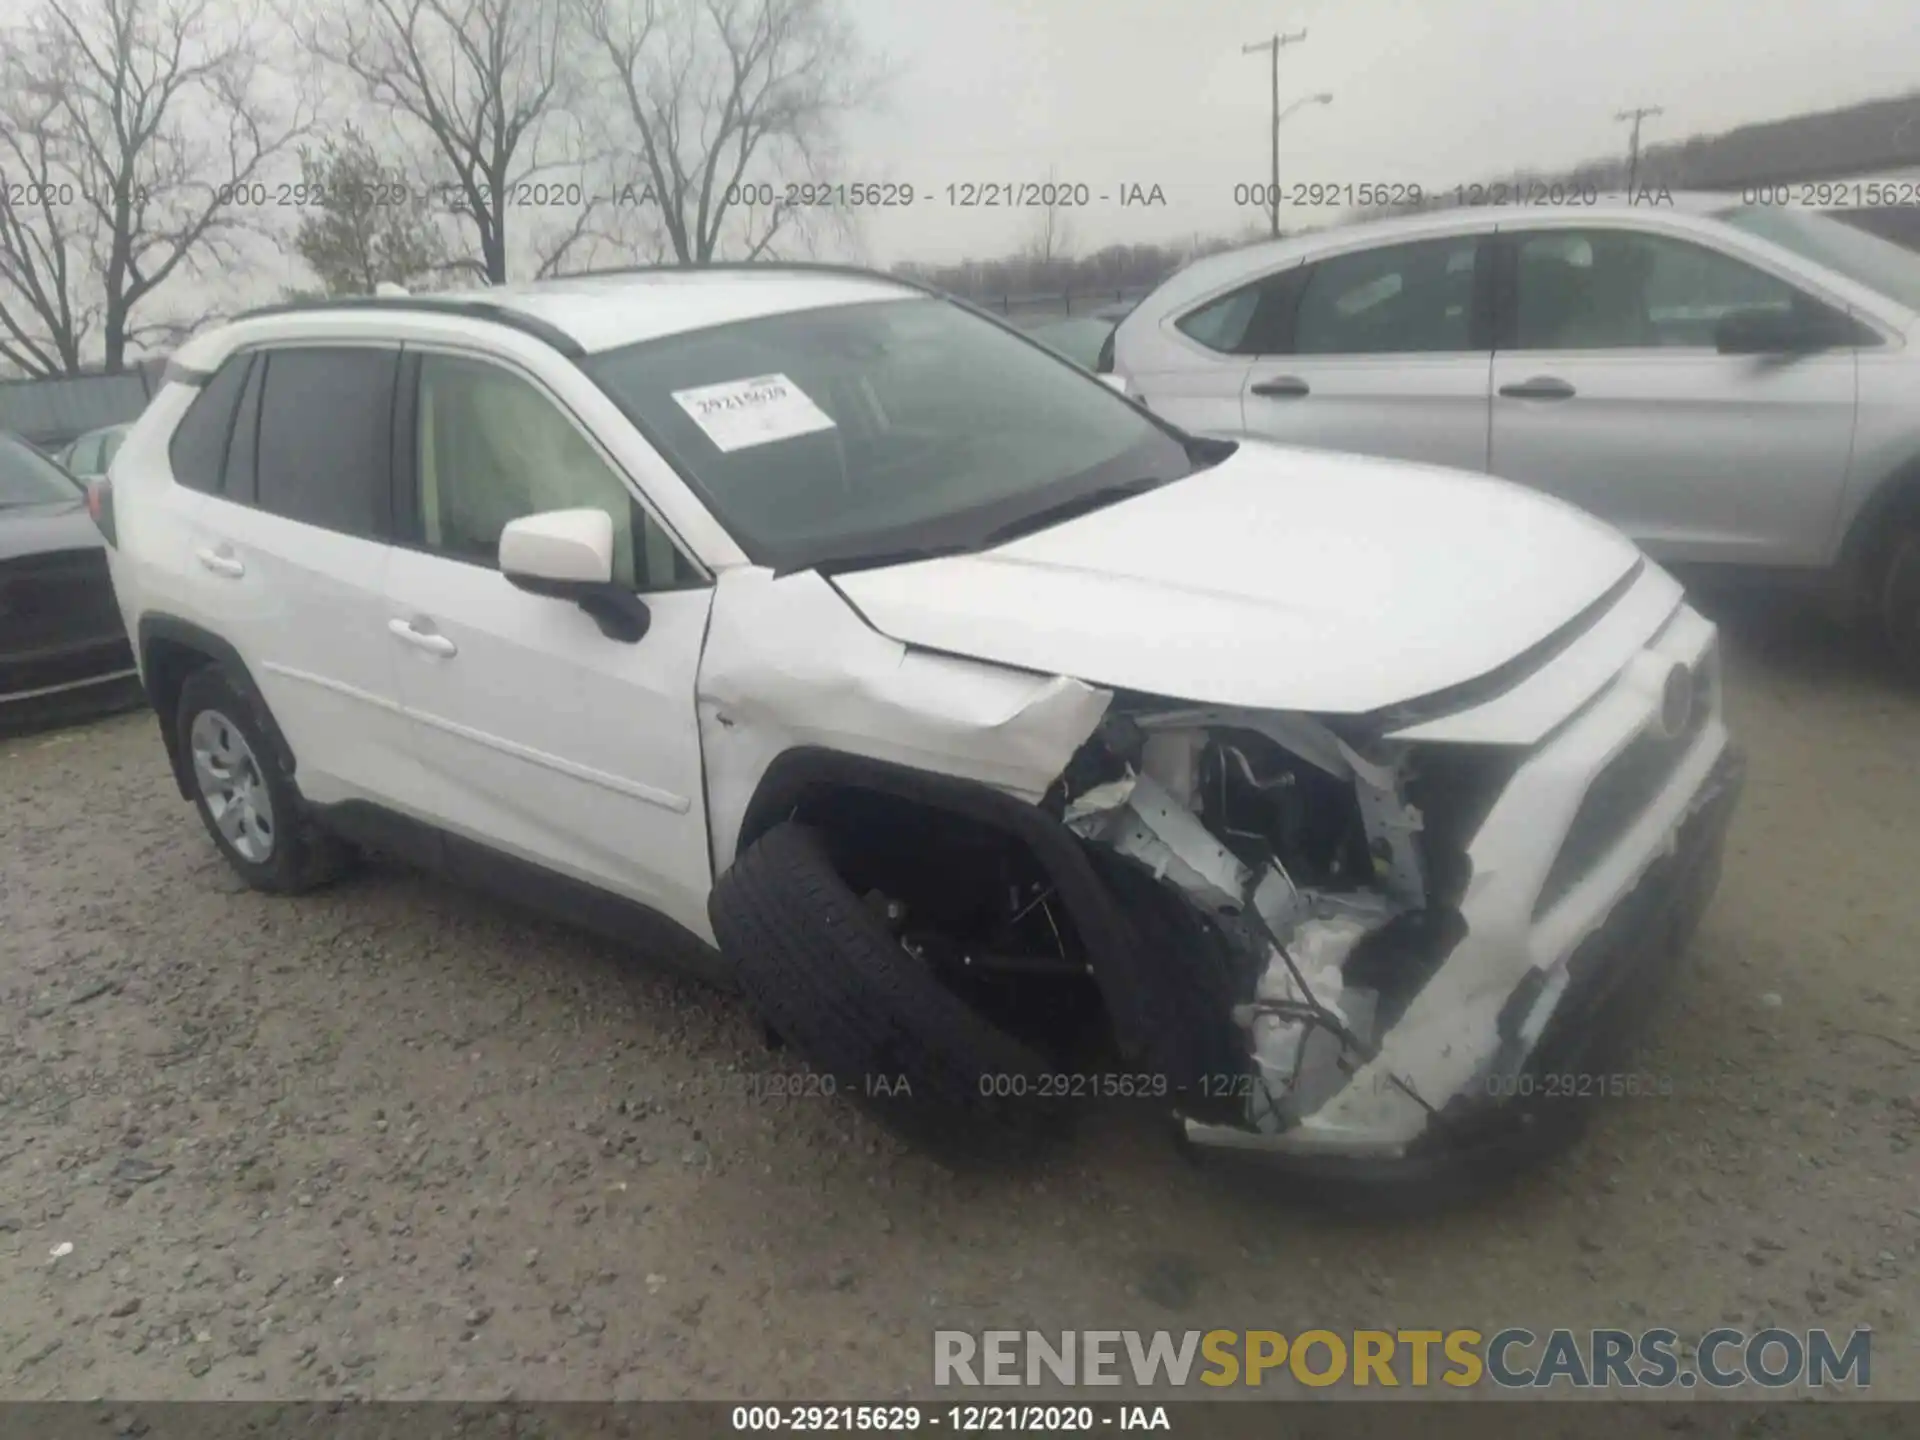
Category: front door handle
[222,561]
[1539,387]
[430,641]
[1281,387]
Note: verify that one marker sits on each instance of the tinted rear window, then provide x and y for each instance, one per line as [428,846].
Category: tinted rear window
[238,483]
[199,442]
[326,437]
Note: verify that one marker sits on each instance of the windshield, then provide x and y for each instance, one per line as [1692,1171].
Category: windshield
[1846,249]
[29,478]
[865,432]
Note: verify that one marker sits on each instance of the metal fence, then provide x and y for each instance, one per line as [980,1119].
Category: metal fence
[51,412]
[1061,304]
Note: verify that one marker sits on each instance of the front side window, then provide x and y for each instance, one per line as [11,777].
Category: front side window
[1252,320]
[1398,299]
[1869,260]
[29,478]
[850,433]
[1622,289]
[493,448]
[324,455]
[1222,324]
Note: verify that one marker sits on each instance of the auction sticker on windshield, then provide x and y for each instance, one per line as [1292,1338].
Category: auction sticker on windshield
[740,413]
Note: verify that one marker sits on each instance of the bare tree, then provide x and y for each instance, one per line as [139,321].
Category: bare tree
[131,133]
[485,84]
[727,103]
[1053,234]
[46,318]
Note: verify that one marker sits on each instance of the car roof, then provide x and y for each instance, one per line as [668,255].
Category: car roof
[607,310]
[1225,266]
[596,311]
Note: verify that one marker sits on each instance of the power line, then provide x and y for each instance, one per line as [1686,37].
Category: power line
[1274,44]
[1644,112]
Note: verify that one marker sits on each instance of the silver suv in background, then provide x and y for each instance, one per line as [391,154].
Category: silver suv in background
[1731,385]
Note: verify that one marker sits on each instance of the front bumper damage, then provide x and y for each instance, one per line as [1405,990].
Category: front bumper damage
[1524,966]
[1346,943]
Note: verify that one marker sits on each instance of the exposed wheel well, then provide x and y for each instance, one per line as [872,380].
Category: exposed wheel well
[972,897]
[861,803]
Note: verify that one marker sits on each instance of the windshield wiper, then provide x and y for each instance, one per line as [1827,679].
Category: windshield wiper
[1081,504]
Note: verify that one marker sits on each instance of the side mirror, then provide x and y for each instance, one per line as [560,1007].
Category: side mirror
[1777,332]
[1113,381]
[568,555]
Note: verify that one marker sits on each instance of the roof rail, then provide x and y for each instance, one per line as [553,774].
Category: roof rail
[824,267]
[439,305]
[820,267]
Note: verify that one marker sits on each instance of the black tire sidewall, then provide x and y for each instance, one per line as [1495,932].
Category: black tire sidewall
[834,983]
[1900,602]
[287,865]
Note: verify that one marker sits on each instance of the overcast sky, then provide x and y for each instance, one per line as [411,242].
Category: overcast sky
[1113,92]
[1118,94]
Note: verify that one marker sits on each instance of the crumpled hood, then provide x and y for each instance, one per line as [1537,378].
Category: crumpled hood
[1280,579]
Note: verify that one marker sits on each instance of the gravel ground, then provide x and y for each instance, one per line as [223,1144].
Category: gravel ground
[397,1140]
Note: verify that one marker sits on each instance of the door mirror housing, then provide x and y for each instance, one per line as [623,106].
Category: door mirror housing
[568,555]
[1781,332]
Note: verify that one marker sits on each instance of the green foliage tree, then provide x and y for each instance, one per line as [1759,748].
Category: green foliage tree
[363,223]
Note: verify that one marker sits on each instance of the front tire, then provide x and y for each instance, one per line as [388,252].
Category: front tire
[243,788]
[835,984]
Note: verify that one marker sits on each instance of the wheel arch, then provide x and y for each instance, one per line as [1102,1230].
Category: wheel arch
[1870,534]
[170,649]
[812,772]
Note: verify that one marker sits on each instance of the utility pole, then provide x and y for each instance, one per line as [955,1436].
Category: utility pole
[1274,45]
[1644,112]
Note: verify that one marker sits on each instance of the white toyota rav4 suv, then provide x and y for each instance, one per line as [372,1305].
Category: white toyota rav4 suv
[1001,742]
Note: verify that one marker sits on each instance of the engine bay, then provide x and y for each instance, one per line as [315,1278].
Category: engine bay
[1300,851]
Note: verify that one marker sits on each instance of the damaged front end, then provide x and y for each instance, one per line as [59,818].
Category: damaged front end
[1403,932]
[1348,942]
[1301,855]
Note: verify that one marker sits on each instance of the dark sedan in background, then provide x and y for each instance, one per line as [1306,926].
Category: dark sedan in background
[63,646]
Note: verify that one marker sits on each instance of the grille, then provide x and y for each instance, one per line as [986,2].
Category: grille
[1623,791]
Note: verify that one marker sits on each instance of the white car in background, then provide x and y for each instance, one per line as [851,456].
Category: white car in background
[1005,744]
[1730,385]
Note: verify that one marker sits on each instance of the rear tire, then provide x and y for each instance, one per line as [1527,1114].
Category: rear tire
[1899,602]
[835,984]
[243,788]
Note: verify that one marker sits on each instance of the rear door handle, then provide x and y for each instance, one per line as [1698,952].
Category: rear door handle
[1539,387]
[222,561]
[430,641]
[1281,387]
